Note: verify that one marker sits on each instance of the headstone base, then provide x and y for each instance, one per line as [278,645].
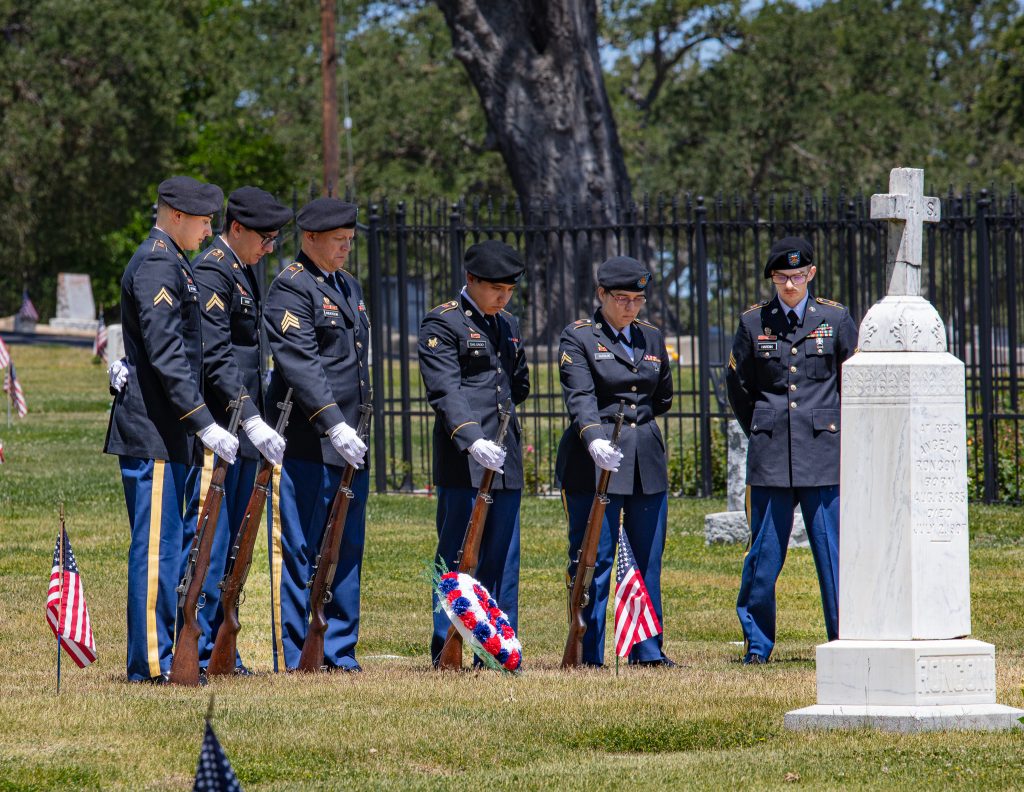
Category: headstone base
[906,686]
[731,528]
[89,325]
[947,717]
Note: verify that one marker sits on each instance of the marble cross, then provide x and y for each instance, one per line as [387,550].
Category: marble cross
[907,208]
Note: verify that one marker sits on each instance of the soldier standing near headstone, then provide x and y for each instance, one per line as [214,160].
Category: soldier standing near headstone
[231,300]
[159,413]
[472,362]
[783,383]
[320,337]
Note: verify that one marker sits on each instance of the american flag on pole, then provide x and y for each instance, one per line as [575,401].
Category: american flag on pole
[5,355]
[27,310]
[2,460]
[635,619]
[99,344]
[12,386]
[66,610]
[214,772]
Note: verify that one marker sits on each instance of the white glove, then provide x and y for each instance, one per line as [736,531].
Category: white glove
[347,443]
[118,373]
[267,441]
[221,442]
[487,454]
[605,455]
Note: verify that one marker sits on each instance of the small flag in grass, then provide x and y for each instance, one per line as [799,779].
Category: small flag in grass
[214,773]
[635,619]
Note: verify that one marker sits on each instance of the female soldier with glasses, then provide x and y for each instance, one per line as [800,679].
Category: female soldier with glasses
[610,358]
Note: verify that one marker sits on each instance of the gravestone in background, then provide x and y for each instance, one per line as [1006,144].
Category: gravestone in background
[75,307]
[730,527]
[904,661]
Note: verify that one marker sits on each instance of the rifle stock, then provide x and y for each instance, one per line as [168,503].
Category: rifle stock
[586,561]
[185,660]
[225,649]
[312,656]
[450,657]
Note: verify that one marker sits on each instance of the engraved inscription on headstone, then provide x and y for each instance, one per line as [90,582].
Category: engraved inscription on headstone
[952,675]
[938,480]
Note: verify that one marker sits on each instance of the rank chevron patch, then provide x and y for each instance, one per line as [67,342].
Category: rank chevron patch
[289,320]
[214,302]
[163,296]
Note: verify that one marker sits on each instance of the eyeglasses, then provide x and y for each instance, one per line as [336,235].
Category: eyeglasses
[798,278]
[623,301]
[267,240]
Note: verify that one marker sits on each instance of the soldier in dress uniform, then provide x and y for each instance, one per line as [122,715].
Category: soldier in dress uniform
[231,301]
[319,334]
[473,362]
[611,357]
[783,383]
[159,412]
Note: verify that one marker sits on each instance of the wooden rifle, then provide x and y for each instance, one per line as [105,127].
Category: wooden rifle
[222,659]
[326,562]
[586,561]
[450,657]
[185,662]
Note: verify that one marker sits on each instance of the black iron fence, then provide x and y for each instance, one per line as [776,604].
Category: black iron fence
[707,258]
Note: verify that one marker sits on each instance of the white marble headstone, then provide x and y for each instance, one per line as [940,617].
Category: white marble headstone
[75,307]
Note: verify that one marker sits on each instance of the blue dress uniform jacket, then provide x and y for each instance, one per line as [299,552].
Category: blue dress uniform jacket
[596,374]
[230,299]
[320,339]
[784,388]
[468,378]
[161,407]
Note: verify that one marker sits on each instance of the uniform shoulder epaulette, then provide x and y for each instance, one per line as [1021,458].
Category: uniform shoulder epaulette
[755,307]
[833,303]
[445,307]
[645,324]
[581,323]
[507,313]
[217,253]
[295,269]
[158,244]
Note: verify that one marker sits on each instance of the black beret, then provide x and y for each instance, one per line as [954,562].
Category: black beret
[494,261]
[190,196]
[623,272]
[326,214]
[789,253]
[257,209]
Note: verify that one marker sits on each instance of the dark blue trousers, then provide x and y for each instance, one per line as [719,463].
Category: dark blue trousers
[155,493]
[238,483]
[302,501]
[643,517]
[771,523]
[498,568]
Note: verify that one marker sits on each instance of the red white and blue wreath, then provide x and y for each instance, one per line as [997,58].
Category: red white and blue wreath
[477,617]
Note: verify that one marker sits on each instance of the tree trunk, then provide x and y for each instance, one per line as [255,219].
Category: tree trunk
[537,70]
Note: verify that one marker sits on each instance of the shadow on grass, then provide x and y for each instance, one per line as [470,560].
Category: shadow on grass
[661,736]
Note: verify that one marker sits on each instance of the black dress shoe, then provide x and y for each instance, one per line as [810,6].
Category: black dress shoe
[663,662]
[159,679]
[204,680]
[243,671]
[755,659]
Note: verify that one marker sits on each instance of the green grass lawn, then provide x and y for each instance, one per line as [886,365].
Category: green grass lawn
[711,724]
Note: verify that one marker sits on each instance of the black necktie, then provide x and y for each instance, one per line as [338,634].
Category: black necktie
[792,319]
[621,338]
[492,328]
[340,285]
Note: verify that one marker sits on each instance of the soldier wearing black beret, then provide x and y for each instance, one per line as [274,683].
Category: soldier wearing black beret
[319,333]
[472,362]
[616,356]
[159,412]
[231,303]
[783,383]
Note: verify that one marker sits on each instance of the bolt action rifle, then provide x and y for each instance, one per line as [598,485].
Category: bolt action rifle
[586,561]
[222,659]
[185,662]
[450,657]
[326,562]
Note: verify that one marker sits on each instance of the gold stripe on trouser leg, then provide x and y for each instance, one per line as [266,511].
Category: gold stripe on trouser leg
[568,577]
[746,508]
[156,511]
[204,481]
[276,564]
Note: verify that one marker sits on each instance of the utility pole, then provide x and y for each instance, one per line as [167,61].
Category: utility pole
[329,68]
